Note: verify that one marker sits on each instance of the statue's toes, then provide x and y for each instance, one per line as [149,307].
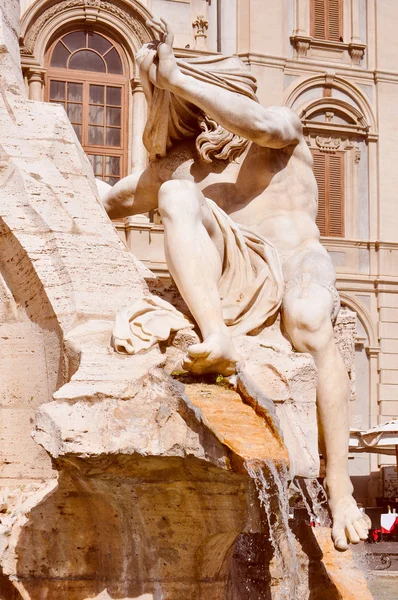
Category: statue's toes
[361,528]
[352,534]
[199,351]
[339,538]
[188,362]
[194,365]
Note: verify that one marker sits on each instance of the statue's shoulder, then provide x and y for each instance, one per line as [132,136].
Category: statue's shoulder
[288,114]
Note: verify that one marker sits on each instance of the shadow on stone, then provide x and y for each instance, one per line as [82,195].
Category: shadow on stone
[250,575]
[148,531]
[7,590]
[320,586]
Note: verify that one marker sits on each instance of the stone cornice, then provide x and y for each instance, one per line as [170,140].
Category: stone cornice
[340,243]
[385,76]
[193,52]
[302,66]
[375,245]
[351,243]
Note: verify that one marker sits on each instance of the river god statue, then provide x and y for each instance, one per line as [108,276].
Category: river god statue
[234,185]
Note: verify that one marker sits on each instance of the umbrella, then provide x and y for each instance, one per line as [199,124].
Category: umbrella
[382,439]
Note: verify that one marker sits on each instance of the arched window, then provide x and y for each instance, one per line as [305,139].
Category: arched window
[87,76]
[336,133]
[339,127]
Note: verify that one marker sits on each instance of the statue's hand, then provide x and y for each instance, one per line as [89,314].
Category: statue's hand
[144,59]
[163,71]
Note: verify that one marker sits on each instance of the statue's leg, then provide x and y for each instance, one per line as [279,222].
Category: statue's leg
[306,311]
[196,265]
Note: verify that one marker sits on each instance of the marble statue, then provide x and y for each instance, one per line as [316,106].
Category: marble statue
[234,185]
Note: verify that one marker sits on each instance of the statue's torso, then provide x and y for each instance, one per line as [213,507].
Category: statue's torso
[272,191]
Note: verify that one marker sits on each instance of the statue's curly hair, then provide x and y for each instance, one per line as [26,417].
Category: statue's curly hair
[216,142]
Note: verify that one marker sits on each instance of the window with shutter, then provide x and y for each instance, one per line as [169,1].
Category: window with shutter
[327,20]
[329,175]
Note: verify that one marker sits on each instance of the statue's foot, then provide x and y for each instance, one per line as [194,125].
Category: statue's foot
[215,355]
[350,525]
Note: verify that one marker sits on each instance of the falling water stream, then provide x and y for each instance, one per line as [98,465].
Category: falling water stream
[306,504]
[319,502]
[274,499]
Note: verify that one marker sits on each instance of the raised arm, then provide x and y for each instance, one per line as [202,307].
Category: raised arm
[274,127]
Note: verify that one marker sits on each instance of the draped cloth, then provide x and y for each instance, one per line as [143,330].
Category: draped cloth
[251,285]
[251,289]
[171,118]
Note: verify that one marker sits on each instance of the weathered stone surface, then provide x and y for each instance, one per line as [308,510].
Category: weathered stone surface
[288,378]
[345,331]
[11,74]
[341,569]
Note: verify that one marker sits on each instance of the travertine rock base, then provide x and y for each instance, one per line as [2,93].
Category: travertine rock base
[167,529]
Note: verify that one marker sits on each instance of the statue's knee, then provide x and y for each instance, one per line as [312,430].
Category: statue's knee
[309,318]
[178,198]
[309,326]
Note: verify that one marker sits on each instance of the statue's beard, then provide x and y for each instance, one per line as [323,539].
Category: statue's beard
[215,142]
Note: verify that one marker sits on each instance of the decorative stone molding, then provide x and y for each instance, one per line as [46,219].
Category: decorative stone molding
[327,88]
[91,9]
[303,43]
[328,144]
[43,18]
[200,25]
[136,85]
[357,51]
[35,79]
[357,104]
[373,351]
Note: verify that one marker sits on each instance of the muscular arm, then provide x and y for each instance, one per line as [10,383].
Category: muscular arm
[132,195]
[274,127]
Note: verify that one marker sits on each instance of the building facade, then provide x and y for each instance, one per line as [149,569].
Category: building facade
[332,61]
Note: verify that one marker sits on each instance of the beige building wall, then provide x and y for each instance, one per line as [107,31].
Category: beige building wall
[345,91]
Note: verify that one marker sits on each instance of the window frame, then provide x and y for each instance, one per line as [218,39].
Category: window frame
[97,78]
[326,37]
[327,183]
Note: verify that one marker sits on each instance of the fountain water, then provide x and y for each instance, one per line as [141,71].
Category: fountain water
[272,489]
[319,501]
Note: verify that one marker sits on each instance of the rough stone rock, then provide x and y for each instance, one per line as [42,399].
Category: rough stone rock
[288,378]
[345,331]
[347,578]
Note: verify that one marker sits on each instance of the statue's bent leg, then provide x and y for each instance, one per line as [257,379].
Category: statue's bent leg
[306,317]
[196,265]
